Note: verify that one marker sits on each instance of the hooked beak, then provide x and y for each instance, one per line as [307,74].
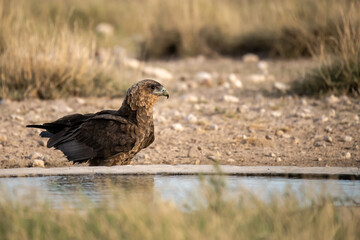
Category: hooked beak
[161,92]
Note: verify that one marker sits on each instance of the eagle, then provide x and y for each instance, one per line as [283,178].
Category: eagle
[108,137]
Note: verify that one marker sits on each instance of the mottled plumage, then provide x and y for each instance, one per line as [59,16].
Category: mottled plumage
[108,137]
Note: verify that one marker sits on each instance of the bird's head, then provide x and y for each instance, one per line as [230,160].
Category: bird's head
[145,93]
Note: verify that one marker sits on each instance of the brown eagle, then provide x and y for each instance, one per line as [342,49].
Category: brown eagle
[108,137]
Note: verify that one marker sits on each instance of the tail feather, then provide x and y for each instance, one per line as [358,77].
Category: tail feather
[36,126]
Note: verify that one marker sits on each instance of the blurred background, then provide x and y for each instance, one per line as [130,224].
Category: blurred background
[57,48]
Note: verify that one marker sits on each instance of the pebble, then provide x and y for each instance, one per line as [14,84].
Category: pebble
[332,113]
[105,29]
[319,159]
[16,117]
[204,78]
[160,73]
[263,66]
[195,152]
[36,155]
[347,139]
[190,98]
[177,127]
[285,135]
[229,99]
[242,109]
[271,154]
[235,81]
[332,99]
[278,159]
[3,138]
[131,63]
[80,101]
[213,127]
[328,129]
[190,118]
[268,137]
[276,113]
[328,139]
[142,156]
[250,58]
[42,142]
[322,119]
[295,140]
[257,78]
[282,87]
[347,155]
[38,163]
[279,133]
[318,143]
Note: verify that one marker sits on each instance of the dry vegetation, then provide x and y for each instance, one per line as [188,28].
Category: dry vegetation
[48,48]
[217,217]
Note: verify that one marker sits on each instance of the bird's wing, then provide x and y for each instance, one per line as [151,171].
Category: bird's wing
[101,136]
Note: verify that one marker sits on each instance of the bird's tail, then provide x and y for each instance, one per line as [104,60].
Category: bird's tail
[36,126]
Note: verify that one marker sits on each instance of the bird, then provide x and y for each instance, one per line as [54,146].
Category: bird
[108,137]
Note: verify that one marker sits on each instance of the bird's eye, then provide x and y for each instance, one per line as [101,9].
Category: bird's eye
[153,87]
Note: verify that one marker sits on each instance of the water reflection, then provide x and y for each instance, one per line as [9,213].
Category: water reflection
[182,190]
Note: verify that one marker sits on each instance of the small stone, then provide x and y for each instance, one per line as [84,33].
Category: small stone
[322,119]
[195,152]
[318,143]
[177,127]
[278,159]
[213,127]
[303,102]
[285,135]
[332,113]
[38,163]
[328,139]
[347,139]
[356,118]
[263,66]
[282,87]
[229,99]
[142,156]
[279,133]
[276,114]
[204,79]
[257,78]
[332,99]
[230,160]
[347,155]
[328,129]
[105,29]
[17,117]
[235,81]
[268,137]
[319,159]
[131,63]
[250,58]
[80,101]
[190,98]
[190,118]
[157,72]
[242,109]
[36,155]
[295,140]
[271,154]
[42,142]
[3,138]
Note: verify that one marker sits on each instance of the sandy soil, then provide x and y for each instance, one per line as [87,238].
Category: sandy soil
[210,117]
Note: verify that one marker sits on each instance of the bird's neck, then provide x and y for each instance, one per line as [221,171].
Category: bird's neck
[139,116]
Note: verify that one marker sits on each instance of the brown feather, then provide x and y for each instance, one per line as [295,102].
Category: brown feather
[107,137]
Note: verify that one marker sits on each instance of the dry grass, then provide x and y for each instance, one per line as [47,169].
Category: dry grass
[48,48]
[339,72]
[218,217]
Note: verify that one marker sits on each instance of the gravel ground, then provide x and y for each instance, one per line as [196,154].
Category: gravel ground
[230,111]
